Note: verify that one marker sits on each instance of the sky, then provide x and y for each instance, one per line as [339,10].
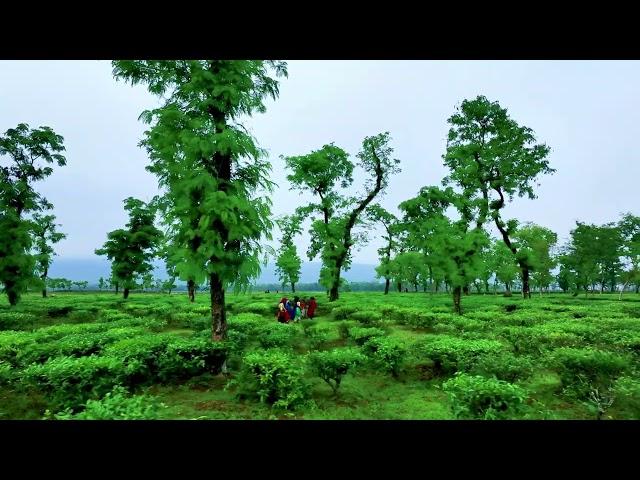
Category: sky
[588,112]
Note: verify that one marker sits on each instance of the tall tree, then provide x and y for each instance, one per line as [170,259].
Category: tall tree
[389,222]
[25,156]
[132,249]
[43,228]
[455,243]
[580,257]
[288,262]
[504,265]
[492,157]
[318,172]
[536,244]
[629,227]
[210,167]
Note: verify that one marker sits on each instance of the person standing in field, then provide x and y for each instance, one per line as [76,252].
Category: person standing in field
[311,309]
[283,314]
[291,309]
[298,311]
[303,308]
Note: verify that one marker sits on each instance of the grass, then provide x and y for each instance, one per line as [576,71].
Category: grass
[535,327]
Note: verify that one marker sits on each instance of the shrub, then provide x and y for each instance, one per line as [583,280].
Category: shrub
[247,323]
[474,396]
[318,335]
[387,353]
[627,391]
[275,334]
[367,317]
[16,320]
[331,366]
[451,354]
[344,312]
[69,382]
[116,405]
[6,373]
[274,377]
[187,357]
[344,326]
[75,345]
[504,366]
[584,369]
[361,335]
[139,356]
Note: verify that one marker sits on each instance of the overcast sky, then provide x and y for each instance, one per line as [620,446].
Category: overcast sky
[588,112]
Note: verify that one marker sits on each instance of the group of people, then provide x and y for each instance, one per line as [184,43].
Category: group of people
[296,309]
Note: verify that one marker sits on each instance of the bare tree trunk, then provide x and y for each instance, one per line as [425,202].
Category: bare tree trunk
[191,290]
[457,308]
[622,290]
[526,293]
[386,285]
[218,310]
[293,287]
[125,293]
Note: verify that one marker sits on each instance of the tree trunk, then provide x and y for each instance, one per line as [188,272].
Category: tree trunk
[525,281]
[400,287]
[457,308]
[218,309]
[293,287]
[386,285]
[117,288]
[191,290]
[465,289]
[622,290]
[415,286]
[125,294]
[638,288]
[333,293]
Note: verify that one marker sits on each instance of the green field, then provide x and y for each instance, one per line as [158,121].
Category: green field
[400,356]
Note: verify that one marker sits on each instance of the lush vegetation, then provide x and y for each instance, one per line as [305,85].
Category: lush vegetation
[368,355]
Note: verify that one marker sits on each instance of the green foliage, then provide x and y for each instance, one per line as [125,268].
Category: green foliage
[477,397]
[387,353]
[627,395]
[362,335]
[69,382]
[451,354]
[583,369]
[275,334]
[319,172]
[331,366]
[45,236]
[131,250]
[274,377]
[504,366]
[29,151]
[116,405]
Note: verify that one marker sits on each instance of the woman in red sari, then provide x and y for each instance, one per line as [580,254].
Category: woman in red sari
[283,314]
[311,309]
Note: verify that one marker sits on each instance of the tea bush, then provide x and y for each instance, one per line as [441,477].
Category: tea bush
[275,334]
[583,369]
[451,354]
[331,366]
[478,397]
[69,382]
[387,353]
[504,366]
[116,405]
[274,377]
[361,335]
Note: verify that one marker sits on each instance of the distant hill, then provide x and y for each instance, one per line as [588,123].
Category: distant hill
[91,269]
